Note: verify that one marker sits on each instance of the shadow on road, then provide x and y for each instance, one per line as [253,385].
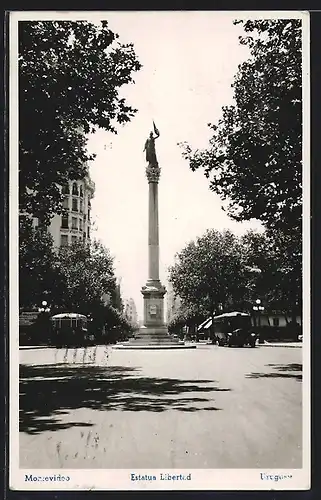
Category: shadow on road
[291,370]
[50,391]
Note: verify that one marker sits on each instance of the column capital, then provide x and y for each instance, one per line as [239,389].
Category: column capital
[153,173]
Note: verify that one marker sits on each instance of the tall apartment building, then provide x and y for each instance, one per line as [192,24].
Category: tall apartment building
[75,222]
[130,312]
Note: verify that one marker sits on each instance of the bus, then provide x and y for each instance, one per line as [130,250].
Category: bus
[231,329]
[70,330]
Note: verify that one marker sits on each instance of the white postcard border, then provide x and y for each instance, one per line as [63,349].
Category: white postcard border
[100,479]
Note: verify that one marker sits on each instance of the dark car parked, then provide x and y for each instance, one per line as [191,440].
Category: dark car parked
[242,337]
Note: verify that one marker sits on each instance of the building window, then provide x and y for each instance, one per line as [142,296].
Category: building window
[276,322]
[85,217]
[64,221]
[88,232]
[74,239]
[74,205]
[75,189]
[80,206]
[80,224]
[88,215]
[84,235]
[65,203]
[65,189]
[81,192]
[64,240]
[74,223]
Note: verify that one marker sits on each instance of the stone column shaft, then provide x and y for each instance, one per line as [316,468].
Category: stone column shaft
[154,332]
[153,231]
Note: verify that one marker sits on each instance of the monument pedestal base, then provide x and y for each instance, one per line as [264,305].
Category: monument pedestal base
[153,335]
[154,332]
[154,338]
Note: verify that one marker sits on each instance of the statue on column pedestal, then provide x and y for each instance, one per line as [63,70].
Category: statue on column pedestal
[150,148]
[154,333]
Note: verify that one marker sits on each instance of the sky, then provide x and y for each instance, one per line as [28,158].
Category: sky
[189,61]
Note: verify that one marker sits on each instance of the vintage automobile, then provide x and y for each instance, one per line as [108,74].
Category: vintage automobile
[242,337]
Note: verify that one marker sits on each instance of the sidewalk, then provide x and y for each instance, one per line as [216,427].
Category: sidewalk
[24,347]
[281,344]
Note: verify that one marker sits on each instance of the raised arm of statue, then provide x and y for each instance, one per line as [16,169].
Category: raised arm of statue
[156,131]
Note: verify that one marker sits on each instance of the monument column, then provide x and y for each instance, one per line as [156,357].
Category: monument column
[154,332]
[154,291]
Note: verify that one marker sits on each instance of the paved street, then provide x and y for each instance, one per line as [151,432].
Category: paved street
[210,407]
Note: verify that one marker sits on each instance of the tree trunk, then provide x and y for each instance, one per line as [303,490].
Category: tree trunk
[212,328]
[293,316]
[286,317]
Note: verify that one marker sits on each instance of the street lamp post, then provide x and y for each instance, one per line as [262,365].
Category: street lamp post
[44,307]
[254,315]
[258,310]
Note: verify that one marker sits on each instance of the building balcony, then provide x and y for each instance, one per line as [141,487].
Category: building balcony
[90,186]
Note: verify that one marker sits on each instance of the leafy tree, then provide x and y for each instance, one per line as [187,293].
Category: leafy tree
[210,273]
[259,264]
[116,325]
[37,276]
[253,161]
[286,260]
[187,315]
[88,274]
[279,281]
[76,278]
[70,74]
[222,272]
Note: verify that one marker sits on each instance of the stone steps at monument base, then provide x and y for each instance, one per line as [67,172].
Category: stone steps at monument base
[159,335]
[154,339]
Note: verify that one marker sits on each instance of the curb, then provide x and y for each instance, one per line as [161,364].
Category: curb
[290,346]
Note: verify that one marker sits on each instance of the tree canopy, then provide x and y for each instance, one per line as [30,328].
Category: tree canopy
[187,314]
[70,75]
[88,275]
[211,272]
[37,276]
[77,278]
[222,272]
[254,158]
[279,281]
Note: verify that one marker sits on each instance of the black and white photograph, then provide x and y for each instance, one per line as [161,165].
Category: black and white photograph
[159,243]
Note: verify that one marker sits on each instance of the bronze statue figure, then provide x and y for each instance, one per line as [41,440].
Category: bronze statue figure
[150,148]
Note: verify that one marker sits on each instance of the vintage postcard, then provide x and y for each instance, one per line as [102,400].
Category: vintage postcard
[159,250]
